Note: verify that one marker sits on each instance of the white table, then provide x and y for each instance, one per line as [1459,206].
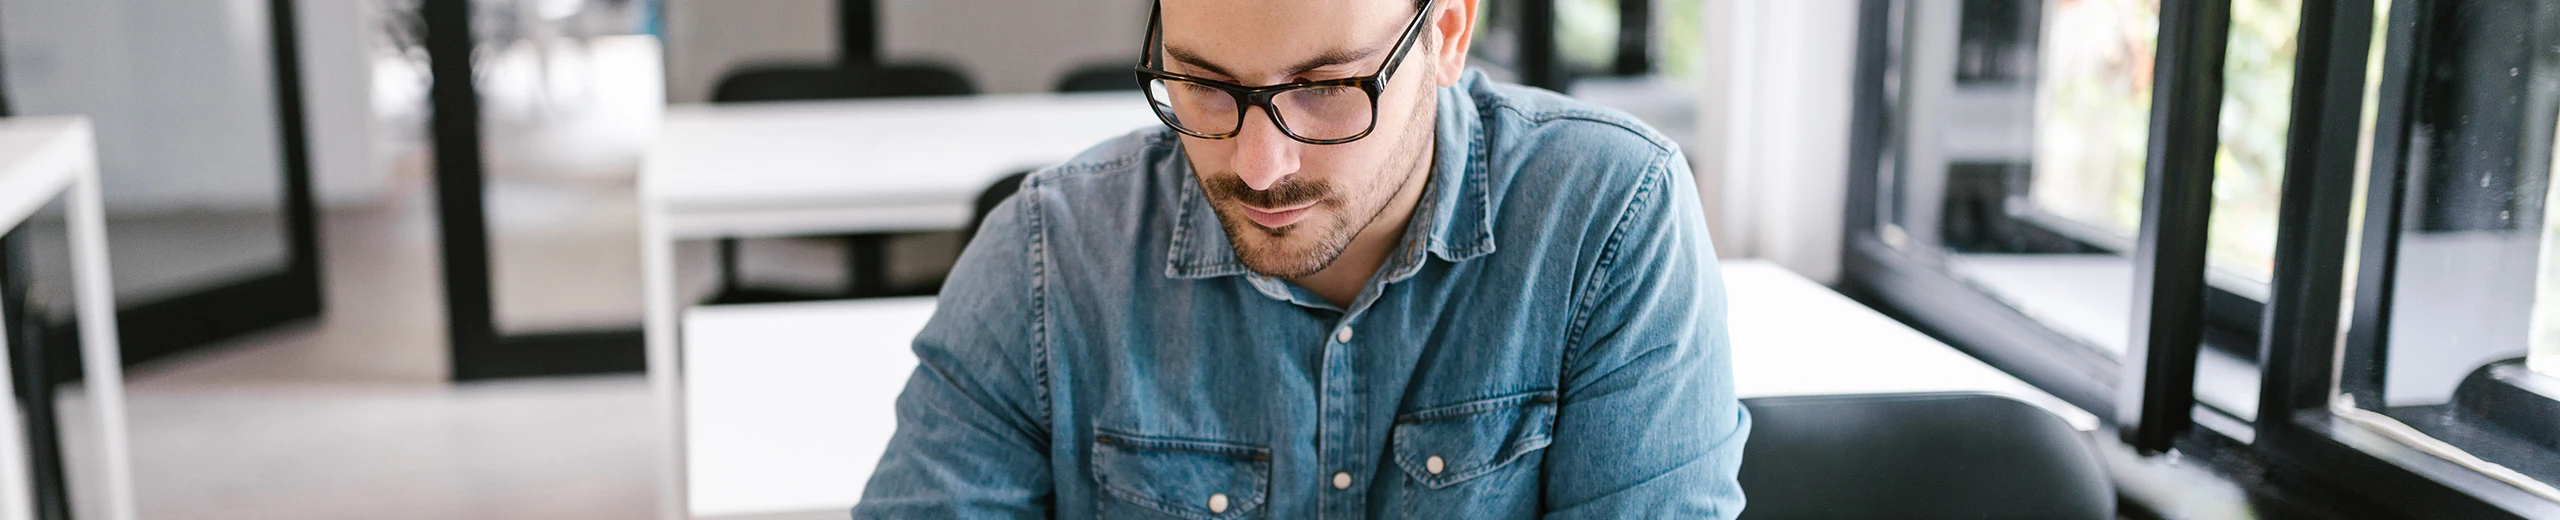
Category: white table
[42,158]
[888,165]
[834,167]
[792,404]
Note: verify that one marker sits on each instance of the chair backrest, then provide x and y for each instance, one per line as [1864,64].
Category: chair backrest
[995,194]
[1100,77]
[1941,455]
[810,82]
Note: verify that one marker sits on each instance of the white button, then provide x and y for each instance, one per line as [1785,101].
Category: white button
[1434,464]
[1218,503]
[1342,480]
[1342,335]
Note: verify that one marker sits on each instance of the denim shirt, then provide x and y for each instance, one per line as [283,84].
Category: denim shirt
[1547,341]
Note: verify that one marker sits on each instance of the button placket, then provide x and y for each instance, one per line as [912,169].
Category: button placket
[1340,410]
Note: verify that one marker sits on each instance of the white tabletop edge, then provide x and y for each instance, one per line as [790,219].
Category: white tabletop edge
[39,157]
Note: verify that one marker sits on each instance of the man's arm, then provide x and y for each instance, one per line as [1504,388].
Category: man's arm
[1649,427]
[972,438]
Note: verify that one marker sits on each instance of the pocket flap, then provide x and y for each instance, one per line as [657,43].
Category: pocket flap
[1179,476]
[1472,438]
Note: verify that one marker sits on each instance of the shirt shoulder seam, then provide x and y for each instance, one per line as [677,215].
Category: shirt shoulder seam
[1039,245]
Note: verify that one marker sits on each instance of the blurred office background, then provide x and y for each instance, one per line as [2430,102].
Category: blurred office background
[347,287]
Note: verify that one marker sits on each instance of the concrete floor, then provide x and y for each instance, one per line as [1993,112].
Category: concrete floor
[350,416]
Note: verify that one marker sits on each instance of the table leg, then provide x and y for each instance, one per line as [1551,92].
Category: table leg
[16,499]
[34,388]
[100,359]
[867,265]
[728,267]
[657,266]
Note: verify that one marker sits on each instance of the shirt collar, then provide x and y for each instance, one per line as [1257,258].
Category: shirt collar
[1453,220]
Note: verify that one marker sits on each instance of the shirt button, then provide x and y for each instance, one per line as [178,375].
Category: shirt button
[1218,503]
[1342,335]
[1342,480]
[1434,465]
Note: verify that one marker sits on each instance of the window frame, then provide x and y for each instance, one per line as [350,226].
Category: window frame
[2298,446]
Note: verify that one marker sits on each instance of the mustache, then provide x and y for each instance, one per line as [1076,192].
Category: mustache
[1291,191]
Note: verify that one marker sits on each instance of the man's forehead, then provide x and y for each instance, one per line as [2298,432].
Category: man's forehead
[1273,36]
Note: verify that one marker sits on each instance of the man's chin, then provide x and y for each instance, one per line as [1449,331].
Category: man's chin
[1299,249]
[1280,257]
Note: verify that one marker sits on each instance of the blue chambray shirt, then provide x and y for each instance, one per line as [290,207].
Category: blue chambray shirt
[1548,341]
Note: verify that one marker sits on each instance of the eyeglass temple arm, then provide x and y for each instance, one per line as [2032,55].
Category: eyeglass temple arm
[1155,21]
[1412,35]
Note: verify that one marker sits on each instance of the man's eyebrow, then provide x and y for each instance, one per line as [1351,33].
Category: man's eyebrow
[1326,59]
[1185,56]
[1331,58]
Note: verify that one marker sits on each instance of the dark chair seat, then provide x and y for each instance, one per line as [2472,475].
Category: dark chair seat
[1944,455]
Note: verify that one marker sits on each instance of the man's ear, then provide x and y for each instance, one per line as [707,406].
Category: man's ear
[1451,30]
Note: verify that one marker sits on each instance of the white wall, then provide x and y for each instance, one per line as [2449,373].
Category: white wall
[1774,129]
[706,38]
[1016,45]
[1005,45]
[180,91]
[337,99]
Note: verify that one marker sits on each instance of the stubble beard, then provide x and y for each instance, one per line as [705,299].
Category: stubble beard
[1321,237]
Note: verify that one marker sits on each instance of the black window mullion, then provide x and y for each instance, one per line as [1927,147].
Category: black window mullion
[2312,221]
[1540,65]
[1635,38]
[2360,370]
[2156,395]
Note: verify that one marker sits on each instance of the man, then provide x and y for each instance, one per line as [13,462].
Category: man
[1348,278]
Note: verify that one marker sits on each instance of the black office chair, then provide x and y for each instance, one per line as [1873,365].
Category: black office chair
[814,82]
[1939,455]
[1003,188]
[1100,77]
[866,255]
[995,194]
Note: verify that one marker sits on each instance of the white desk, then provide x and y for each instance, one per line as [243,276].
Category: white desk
[888,165]
[834,167]
[42,158]
[792,403]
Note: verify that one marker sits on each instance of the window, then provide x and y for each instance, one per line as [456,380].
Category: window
[2305,241]
[2462,250]
[2017,168]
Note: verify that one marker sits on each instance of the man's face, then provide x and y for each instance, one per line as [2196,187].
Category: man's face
[1291,208]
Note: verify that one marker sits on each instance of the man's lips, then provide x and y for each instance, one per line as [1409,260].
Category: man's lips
[1278,217]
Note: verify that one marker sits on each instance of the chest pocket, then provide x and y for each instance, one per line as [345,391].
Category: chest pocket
[1160,477]
[1450,445]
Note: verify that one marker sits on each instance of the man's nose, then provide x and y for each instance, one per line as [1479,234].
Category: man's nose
[1263,155]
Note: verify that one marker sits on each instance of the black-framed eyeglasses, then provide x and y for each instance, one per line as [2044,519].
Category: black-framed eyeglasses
[1332,111]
